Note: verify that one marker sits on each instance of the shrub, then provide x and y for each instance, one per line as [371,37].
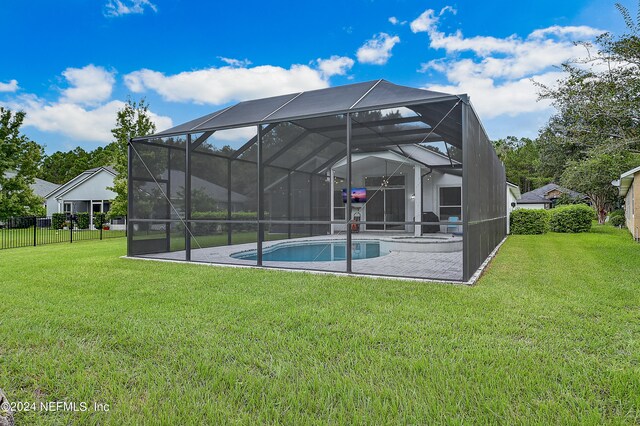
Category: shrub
[99,219]
[616,218]
[573,218]
[529,222]
[58,220]
[82,219]
[217,228]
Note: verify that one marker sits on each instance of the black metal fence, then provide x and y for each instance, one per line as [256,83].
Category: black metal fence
[60,228]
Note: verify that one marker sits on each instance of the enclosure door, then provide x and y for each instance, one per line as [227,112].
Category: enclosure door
[386,205]
[394,208]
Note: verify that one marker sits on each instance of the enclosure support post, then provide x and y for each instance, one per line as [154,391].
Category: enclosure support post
[260,196]
[167,228]
[348,212]
[311,203]
[466,163]
[289,204]
[129,195]
[417,199]
[187,200]
[35,227]
[229,201]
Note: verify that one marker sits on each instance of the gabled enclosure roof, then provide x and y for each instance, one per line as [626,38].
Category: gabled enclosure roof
[375,94]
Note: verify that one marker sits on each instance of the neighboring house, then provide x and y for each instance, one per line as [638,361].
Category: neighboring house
[629,185]
[86,193]
[40,187]
[545,197]
[513,194]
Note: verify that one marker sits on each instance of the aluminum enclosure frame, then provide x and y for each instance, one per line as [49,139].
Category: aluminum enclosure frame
[483,183]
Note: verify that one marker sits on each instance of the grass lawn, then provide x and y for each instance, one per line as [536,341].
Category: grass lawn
[550,335]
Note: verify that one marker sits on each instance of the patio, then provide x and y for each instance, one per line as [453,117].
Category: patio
[438,256]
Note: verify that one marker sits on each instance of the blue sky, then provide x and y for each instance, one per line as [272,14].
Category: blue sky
[71,63]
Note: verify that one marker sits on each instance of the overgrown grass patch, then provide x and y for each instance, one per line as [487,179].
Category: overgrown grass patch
[550,334]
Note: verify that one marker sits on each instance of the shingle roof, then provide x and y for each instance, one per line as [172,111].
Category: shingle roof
[539,195]
[531,198]
[40,187]
[95,169]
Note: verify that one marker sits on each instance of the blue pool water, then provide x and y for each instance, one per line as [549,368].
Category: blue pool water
[314,252]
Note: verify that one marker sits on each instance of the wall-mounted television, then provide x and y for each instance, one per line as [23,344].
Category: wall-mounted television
[358,195]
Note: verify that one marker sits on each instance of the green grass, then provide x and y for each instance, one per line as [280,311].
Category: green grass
[550,335]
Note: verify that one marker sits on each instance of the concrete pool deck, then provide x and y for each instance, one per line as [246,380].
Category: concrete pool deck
[433,256]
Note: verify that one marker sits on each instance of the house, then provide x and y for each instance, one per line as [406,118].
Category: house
[513,194]
[366,178]
[86,193]
[629,185]
[546,196]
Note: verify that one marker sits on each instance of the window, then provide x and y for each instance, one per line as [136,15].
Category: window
[67,207]
[450,203]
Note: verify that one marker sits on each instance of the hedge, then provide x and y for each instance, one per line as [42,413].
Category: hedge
[58,220]
[218,228]
[529,221]
[99,220]
[82,219]
[572,218]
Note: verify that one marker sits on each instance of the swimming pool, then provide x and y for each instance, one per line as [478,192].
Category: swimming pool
[314,251]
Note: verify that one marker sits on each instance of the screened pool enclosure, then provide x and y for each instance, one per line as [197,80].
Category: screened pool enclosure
[368,178]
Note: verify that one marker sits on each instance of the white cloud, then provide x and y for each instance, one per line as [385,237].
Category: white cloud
[84,112]
[449,9]
[377,50]
[425,22]
[76,121]
[581,31]
[226,84]
[507,98]
[395,21]
[235,62]
[335,65]
[115,8]
[90,85]
[498,73]
[11,86]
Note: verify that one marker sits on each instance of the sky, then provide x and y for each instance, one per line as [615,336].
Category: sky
[71,64]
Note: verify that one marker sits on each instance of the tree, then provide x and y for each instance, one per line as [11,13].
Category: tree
[595,134]
[131,121]
[19,159]
[60,167]
[593,175]
[598,101]
[521,158]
